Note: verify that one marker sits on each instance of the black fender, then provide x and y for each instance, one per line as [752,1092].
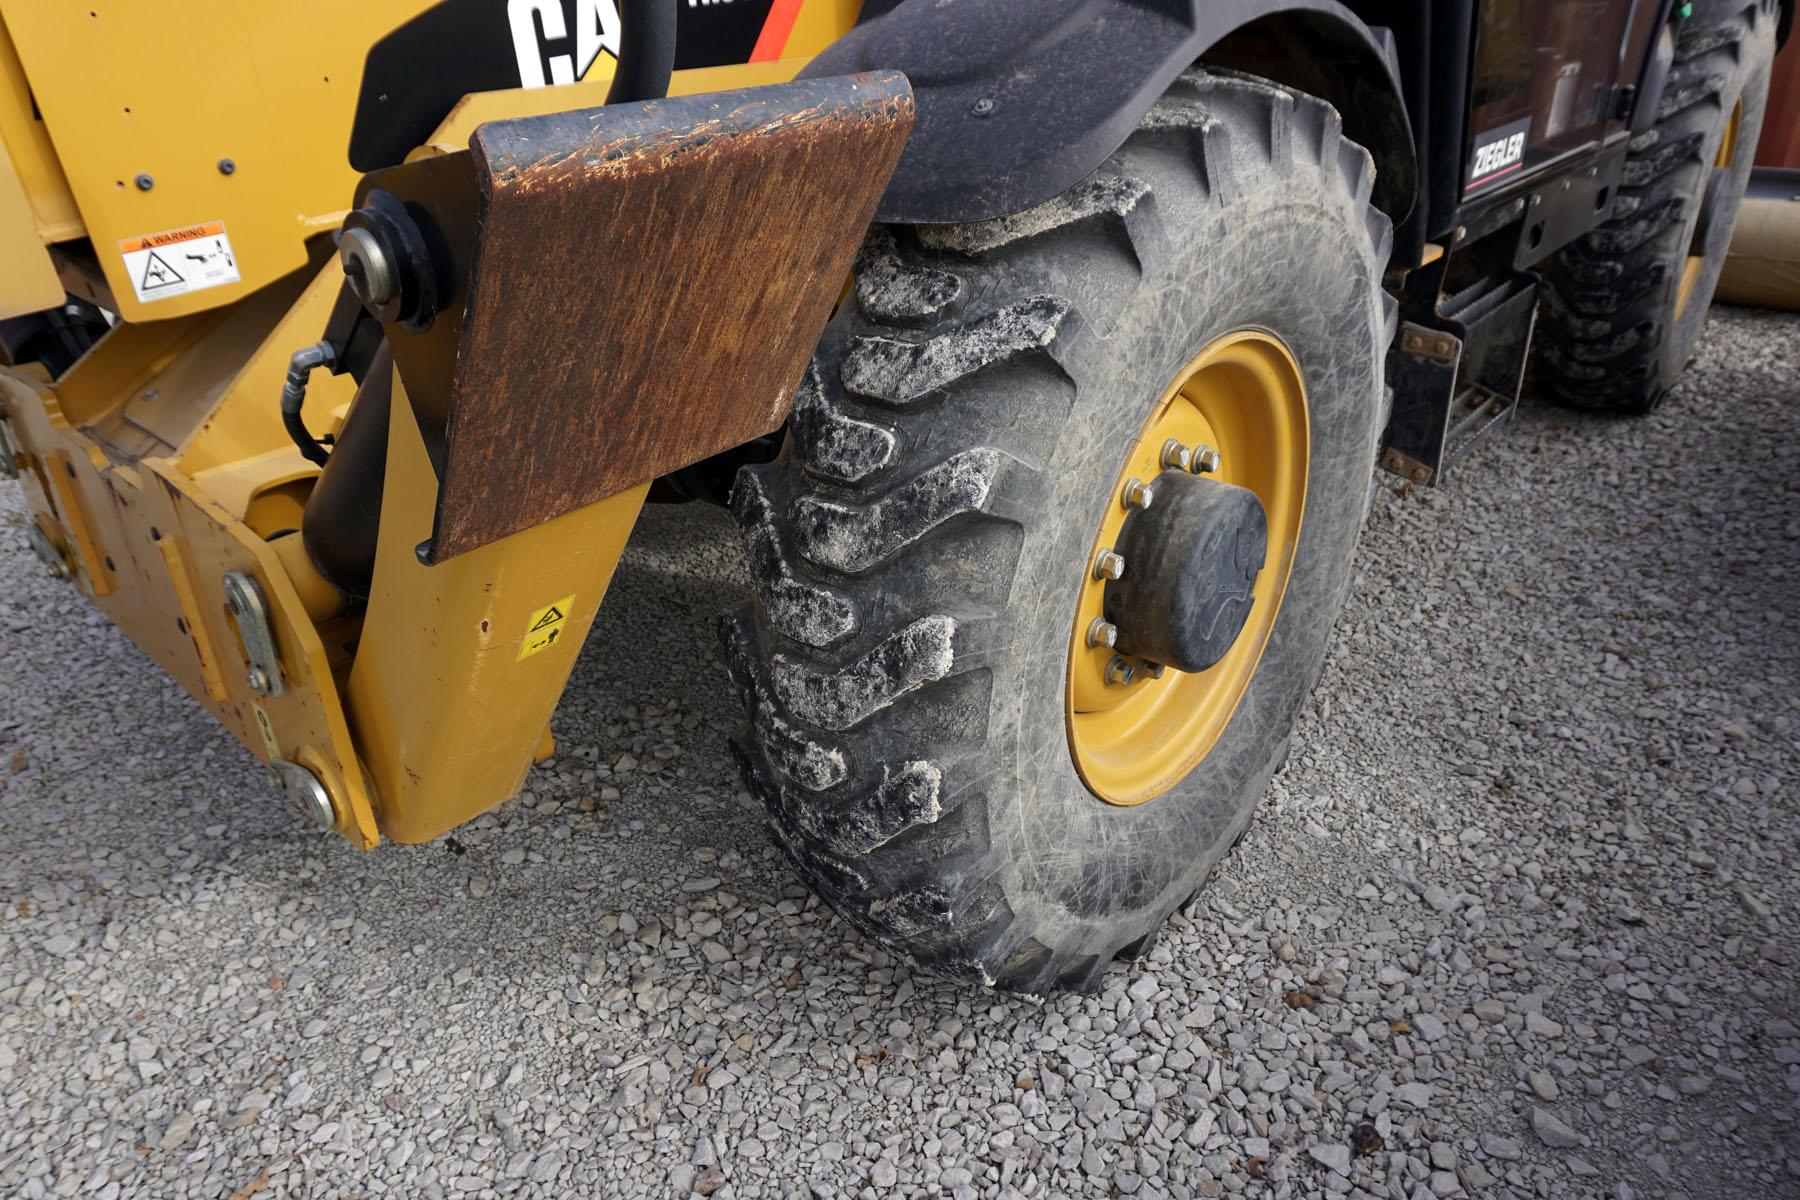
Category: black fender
[1019,99]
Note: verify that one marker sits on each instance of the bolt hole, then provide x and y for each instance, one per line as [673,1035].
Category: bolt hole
[109,564]
[484,625]
[155,534]
[1537,235]
[69,469]
[1601,199]
[181,624]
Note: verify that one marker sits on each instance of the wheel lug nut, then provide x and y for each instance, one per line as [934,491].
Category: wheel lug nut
[1205,460]
[1120,671]
[1102,632]
[1174,454]
[1137,493]
[1109,564]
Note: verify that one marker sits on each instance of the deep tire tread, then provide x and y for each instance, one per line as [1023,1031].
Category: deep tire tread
[1609,315]
[836,660]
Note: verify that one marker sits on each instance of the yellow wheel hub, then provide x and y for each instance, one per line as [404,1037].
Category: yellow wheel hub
[1135,730]
[1696,263]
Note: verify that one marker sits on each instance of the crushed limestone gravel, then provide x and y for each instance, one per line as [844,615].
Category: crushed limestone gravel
[1518,919]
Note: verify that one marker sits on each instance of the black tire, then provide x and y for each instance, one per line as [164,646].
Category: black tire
[1613,335]
[918,546]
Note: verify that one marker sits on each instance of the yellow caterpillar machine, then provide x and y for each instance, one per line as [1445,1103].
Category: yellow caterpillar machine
[1043,350]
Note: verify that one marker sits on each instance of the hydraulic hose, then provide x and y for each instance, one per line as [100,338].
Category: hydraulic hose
[293,396]
[646,51]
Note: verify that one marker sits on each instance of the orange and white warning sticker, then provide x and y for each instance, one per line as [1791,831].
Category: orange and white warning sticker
[179,260]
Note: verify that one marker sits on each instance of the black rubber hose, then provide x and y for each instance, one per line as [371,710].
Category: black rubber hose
[293,395]
[646,51]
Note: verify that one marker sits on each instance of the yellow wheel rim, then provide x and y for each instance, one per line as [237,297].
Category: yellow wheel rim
[1243,397]
[1695,265]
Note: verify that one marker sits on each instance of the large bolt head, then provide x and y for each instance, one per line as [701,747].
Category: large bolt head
[1109,565]
[368,267]
[1120,672]
[308,795]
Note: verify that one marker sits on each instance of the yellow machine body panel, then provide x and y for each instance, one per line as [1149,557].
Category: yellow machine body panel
[35,205]
[32,283]
[214,143]
[230,113]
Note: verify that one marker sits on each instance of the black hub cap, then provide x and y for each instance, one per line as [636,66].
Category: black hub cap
[1191,563]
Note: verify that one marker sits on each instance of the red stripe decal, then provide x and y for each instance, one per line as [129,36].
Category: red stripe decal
[773,38]
[1496,174]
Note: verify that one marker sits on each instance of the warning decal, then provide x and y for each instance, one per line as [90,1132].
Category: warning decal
[179,260]
[548,625]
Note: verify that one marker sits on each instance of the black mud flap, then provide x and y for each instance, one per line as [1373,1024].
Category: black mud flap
[1456,375]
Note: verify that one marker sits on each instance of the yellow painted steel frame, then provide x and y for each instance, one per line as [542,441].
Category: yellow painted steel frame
[447,713]
[159,462]
[448,703]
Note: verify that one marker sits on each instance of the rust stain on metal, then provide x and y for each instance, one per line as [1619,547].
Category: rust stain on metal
[648,286]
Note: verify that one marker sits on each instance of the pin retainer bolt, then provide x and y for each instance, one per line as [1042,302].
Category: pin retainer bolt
[1102,632]
[1205,460]
[303,788]
[368,267]
[1109,564]
[1137,493]
[1120,671]
[1176,455]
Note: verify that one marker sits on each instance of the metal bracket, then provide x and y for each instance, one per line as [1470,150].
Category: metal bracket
[1455,384]
[46,550]
[1430,343]
[1562,209]
[1422,371]
[245,605]
[1405,465]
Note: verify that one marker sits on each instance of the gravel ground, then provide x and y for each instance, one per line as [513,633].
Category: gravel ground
[1518,919]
